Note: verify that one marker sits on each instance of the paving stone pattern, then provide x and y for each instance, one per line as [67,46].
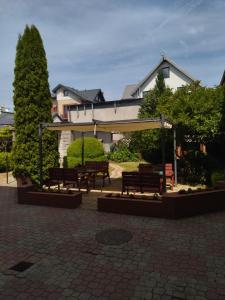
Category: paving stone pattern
[165,259]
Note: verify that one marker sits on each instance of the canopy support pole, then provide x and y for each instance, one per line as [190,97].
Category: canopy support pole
[175,154]
[82,148]
[163,152]
[40,128]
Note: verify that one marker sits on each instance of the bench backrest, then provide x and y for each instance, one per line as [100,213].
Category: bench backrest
[150,179]
[55,173]
[131,178]
[145,168]
[101,166]
[70,174]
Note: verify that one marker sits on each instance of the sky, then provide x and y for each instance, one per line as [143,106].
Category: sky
[108,44]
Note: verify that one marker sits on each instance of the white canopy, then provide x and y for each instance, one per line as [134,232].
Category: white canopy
[111,126]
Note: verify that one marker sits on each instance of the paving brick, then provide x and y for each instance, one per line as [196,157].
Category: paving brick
[165,259]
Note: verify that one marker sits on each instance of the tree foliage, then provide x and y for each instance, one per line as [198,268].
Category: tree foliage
[5,139]
[148,142]
[195,110]
[160,85]
[32,104]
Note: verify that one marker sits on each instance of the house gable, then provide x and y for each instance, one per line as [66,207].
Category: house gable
[176,77]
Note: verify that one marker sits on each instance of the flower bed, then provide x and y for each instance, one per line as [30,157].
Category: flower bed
[189,204]
[131,205]
[28,195]
[171,205]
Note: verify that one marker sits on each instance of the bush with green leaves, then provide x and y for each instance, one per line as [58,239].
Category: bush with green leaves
[93,151]
[196,167]
[217,175]
[5,161]
[122,152]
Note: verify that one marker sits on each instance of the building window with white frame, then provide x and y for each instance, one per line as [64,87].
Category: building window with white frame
[65,93]
[165,72]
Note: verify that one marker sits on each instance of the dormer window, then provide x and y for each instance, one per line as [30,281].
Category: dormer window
[65,93]
[166,72]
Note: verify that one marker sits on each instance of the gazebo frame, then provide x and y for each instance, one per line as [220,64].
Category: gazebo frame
[121,126]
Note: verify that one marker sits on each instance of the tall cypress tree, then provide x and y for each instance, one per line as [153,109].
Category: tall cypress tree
[32,104]
[160,83]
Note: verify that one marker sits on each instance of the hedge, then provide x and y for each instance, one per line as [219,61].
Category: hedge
[92,148]
[3,161]
[93,151]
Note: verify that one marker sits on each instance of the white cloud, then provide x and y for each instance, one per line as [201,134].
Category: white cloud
[109,44]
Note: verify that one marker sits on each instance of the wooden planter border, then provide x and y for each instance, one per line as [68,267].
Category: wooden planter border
[172,205]
[28,195]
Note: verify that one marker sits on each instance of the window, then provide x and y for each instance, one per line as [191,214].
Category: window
[65,93]
[166,72]
[65,112]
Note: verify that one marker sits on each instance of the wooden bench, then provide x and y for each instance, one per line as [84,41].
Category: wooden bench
[71,177]
[145,168]
[101,167]
[55,177]
[141,182]
[66,176]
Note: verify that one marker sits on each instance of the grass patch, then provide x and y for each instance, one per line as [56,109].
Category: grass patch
[130,166]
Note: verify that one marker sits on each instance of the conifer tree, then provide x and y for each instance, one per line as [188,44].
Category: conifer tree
[160,83]
[32,104]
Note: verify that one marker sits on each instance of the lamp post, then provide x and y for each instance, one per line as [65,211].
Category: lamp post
[163,152]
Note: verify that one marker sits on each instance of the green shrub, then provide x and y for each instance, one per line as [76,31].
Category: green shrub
[196,167]
[3,161]
[217,175]
[93,151]
[92,148]
[122,152]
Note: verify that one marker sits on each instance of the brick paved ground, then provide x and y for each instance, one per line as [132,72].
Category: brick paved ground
[165,259]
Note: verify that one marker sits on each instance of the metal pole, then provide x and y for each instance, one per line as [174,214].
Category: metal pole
[82,148]
[6,161]
[175,155]
[40,154]
[163,152]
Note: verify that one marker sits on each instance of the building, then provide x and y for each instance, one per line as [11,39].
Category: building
[77,110]
[6,119]
[174,76]
[65,95]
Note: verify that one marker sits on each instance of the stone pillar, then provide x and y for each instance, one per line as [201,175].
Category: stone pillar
[65,139]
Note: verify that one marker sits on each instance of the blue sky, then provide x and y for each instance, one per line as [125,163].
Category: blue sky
[108,44]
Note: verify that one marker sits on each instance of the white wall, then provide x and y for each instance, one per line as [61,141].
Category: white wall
[104,113]
[176,79]
[124,110]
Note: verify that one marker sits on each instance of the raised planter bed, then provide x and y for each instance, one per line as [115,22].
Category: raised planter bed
[191,204]
[27,195]
[131,206]
[172,205]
